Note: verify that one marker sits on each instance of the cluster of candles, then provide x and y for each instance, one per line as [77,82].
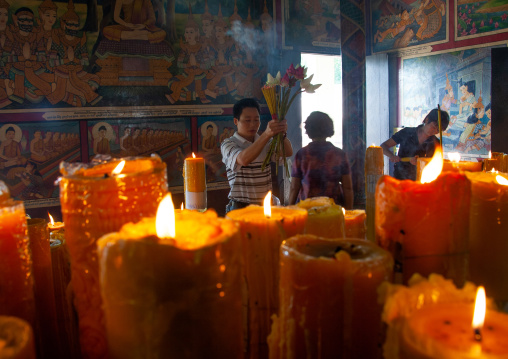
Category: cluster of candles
[151,281]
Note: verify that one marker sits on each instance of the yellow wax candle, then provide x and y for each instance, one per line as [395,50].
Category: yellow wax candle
[261,239]
[328,299]
[54,226]
[374,169]
[46,326]
[504,166]
[355,223]
[490,164]
[16,275]
[432,319]
[97,199]
[176,297]
[488,231]
[325,218]
[194,176]
[16,339]
[448,166]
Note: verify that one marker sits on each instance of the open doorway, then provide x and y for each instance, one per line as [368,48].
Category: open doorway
[327,71]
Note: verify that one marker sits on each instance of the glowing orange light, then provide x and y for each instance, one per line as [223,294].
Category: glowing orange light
[165,219]
[193,155]
[267,204]
[490,154]
[479,308]
[434,168]
[501,180]
[493,170]
[181,206]
[343,211]
[51,219]
[118,169]
[454,157]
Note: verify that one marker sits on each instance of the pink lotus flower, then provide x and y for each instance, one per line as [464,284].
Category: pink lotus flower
[459,27]
[496,25]
[504,16]
[463,33]
[490,22]
[473,30]
[468,21]
[474,25]
[469,11]
[482,24]
[300,72]
[284,82]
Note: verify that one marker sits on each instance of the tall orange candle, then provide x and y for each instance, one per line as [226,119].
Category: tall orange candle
[355,223]
[328,299]
[425,225]
[374,169]
[16,339]
[488,226]
[16,276]
[262,236]
[96,200]
[325,218]
[194,176]
[432,319]
[46,328]
[173,296]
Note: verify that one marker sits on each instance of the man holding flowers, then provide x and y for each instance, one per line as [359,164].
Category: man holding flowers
[245,151]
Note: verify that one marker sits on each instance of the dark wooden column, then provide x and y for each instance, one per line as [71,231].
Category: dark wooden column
[353,91]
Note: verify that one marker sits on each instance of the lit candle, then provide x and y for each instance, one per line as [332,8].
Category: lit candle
[16,276]
[173,290]
[99,199]
[432,319]
[328,298]
[452,164]
[194,176]
[16,339]
[425,225]
[355,223]
[325,218]
[491,163]
[488,225]
[262,235]
[54,226]
[504,166]
[374,169]
[46,326]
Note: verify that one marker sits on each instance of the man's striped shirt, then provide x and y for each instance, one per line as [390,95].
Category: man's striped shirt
[248,183]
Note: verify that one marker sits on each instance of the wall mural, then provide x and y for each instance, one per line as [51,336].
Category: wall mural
[106,53]
[400,24]
[460,81]
[311,25]
[480,18]
[170,138]
[30,154]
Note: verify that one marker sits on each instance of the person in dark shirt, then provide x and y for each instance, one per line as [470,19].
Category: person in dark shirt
[320,168]
[414,142]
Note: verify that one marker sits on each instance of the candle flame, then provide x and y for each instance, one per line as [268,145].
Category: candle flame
[434,168]
[454,157]
[193,155]
[51,219]
[490,154]
[501,180]
[118,169]
[479,308]
[165,219]
[181,206]
[343,211]
[267,204]
[493,170]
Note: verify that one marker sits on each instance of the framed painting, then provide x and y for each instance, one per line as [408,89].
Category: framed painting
[30,155]
[212,131]
[170,138]
[408,23]
[311,25]
[480,18]
[460,81]
[62,55]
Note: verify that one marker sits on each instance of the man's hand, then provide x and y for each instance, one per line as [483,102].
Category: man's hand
[395,159]
[274,127]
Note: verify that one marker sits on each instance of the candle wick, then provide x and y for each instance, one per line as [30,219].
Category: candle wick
[106,175]
[477,335]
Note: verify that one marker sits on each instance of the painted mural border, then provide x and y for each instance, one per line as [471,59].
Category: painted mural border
[416,48]
[455,49]
[461,38]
